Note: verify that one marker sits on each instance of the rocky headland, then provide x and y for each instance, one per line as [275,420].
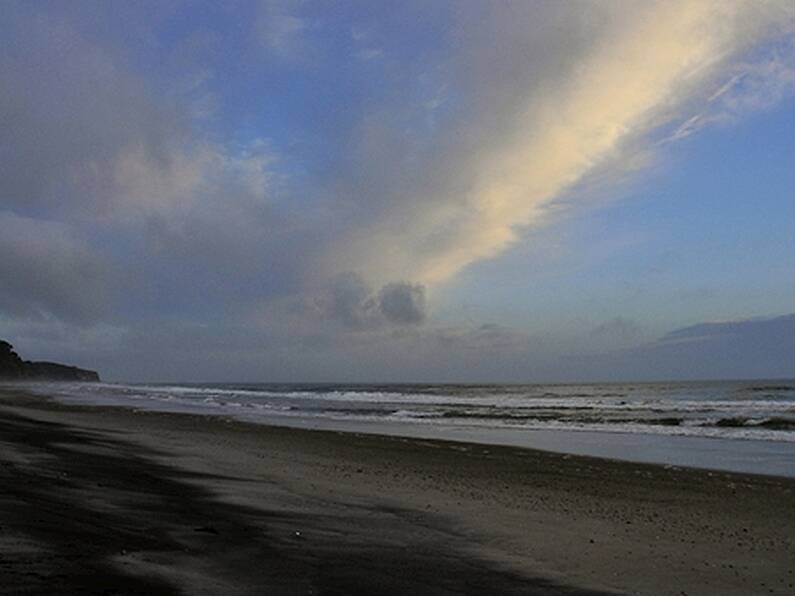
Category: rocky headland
[13,367]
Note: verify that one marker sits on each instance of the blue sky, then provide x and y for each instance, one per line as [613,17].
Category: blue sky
[449,191]
[705,234]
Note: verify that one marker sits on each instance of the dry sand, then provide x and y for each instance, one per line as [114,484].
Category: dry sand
[111,501]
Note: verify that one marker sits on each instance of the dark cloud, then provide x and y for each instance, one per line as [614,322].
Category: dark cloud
[402,303]
[70,114]
[350,301]
[46,269]
[88,143]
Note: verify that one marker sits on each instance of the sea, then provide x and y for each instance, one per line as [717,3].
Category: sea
[743,426]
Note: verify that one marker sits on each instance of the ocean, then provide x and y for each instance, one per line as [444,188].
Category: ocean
[741,426]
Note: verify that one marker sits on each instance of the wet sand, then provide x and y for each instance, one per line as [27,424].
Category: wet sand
[111,501]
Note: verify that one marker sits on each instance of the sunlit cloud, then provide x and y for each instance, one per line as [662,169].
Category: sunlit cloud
[649,66]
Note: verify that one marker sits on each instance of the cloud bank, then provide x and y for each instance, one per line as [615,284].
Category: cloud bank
[743,349]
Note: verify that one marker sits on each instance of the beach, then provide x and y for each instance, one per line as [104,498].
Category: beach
[100,500]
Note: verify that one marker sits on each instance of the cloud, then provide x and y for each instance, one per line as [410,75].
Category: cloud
[754,84]
[137,210]
[86,137]
[567,92]
[279,28]
[81,136]
[102,167]
[402,303]
[750,348]
[350,301]
[765,333]
[292,353]
[47,270]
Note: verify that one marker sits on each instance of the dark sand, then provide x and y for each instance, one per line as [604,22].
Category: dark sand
[110,501]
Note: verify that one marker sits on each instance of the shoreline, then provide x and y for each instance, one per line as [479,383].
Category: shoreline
[204,501]
[739,456]
[713,453]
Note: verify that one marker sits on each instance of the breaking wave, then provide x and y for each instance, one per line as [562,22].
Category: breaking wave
[730,410]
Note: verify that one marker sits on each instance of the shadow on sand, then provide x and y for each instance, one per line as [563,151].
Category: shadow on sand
[84,513]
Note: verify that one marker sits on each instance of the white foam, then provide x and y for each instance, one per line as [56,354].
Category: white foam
[516,409]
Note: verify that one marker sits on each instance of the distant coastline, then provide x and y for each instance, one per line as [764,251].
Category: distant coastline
[12,367]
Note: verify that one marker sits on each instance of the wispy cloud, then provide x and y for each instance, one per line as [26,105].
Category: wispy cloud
[279,28]
[752,85]
[589,108]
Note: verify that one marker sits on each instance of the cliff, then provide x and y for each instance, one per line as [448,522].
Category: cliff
[13,367]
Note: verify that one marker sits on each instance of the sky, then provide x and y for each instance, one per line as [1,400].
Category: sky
[445,191]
